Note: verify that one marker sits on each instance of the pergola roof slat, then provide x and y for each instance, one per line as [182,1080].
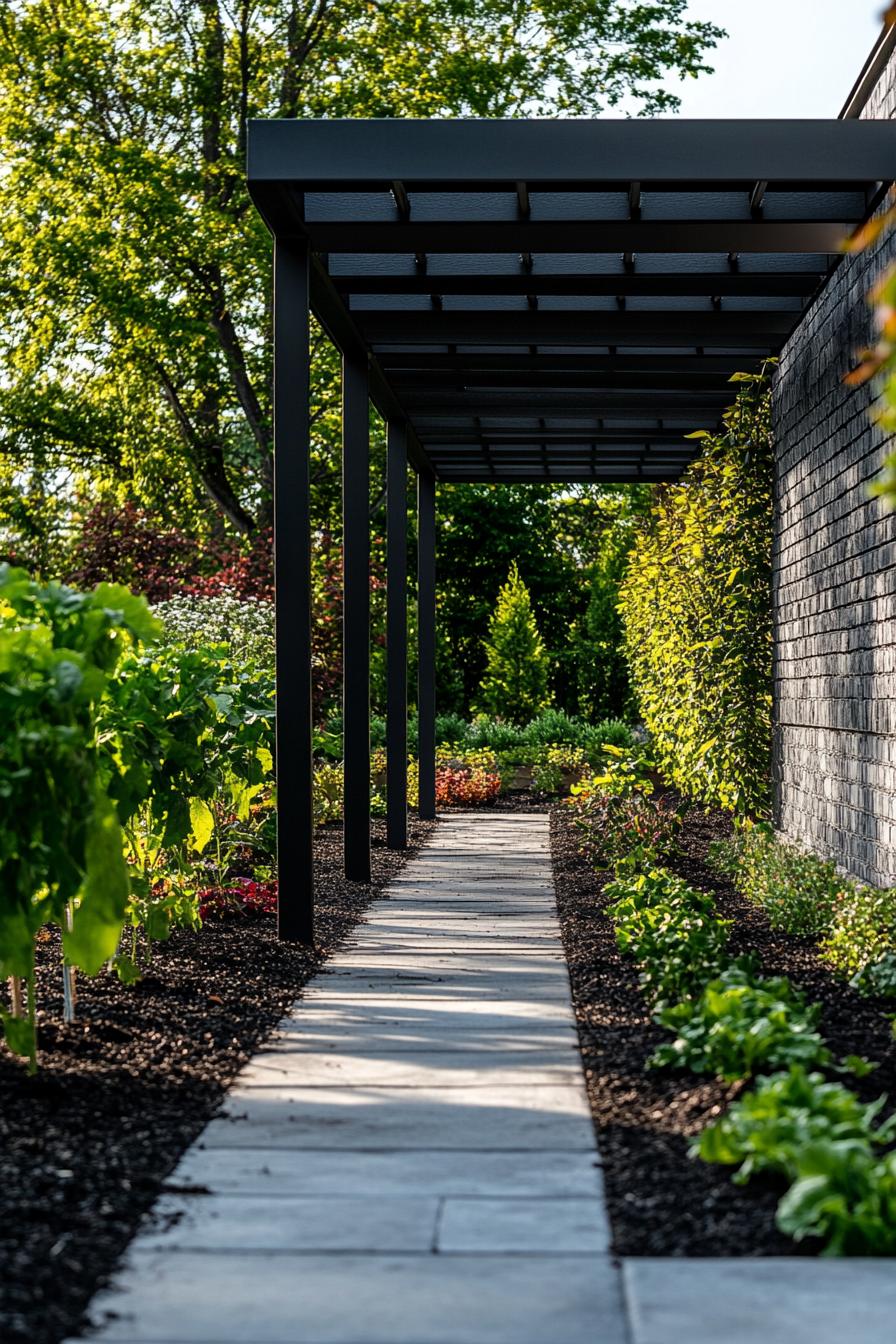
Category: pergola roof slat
[564,300]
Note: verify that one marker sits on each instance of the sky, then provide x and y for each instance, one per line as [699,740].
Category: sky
[782,58]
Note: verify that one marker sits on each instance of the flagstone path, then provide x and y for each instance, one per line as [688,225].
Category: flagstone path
[411,1160]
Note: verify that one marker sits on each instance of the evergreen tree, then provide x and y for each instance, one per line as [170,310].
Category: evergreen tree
[516,674]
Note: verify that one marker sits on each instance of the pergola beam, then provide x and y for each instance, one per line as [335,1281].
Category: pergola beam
[739,284]
[597,235]
[493,154]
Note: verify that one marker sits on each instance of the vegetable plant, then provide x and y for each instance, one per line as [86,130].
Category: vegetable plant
[671,930]
[61,843]
[769,1128]
[740,1026]
[845,1195]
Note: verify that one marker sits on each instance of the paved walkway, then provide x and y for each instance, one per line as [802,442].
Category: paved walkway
[412,1160]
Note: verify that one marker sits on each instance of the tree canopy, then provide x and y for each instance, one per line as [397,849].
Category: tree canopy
[134,272]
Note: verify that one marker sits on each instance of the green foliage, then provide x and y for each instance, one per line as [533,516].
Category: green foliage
[557,768]
[769,1128]
[741,1025]
[61,844]
[845,1195]
[134,347]
[798,891]
[516,674]
[450,729]
[601,669]
[671,931]
[862,930]
[328,794]
[877,977]
[696,606]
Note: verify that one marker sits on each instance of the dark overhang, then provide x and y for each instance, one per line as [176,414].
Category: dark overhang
[565,300]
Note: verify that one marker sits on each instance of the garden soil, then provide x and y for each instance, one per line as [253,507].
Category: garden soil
[661,1202]
[86,1145]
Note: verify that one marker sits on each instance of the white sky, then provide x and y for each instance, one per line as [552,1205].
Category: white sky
[782,58]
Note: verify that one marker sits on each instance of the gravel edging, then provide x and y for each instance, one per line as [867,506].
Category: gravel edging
[660,1202]
[86,1145]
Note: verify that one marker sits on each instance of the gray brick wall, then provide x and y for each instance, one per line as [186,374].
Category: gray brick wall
[834,754]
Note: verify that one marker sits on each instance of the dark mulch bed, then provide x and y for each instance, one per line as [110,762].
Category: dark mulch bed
[86,1145]
[660,1201]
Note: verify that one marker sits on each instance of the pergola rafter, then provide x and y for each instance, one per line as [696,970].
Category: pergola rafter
[522,301]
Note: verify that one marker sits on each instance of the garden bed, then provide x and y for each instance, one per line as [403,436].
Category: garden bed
[86,1145]
[660,1201]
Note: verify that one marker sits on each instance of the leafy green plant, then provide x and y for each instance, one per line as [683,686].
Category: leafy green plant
[670,929]
[844,1195]
[697,613]
[553,727]
[625,829]
[555,767]
[494,734]
[769,1128]
[516,675]
[61,843]
[452,730]
[245,626]
[607,733]
[862,930]
[877,977]
[740,1026]
[328,793]
[799,892]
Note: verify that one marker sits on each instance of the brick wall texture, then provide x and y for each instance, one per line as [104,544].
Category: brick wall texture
[834,751]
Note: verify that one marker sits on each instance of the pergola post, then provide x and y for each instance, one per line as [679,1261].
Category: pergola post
[292,567]
[356,615]
[426,643]
[396,636]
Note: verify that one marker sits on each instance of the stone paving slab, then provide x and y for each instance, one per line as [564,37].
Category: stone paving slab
[446,1068]
[419,1171]
[548,1226]
[784,1300]
[196,1298]
[544,1116]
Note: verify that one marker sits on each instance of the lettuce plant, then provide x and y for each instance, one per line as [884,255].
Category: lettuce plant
[740,1026]
[769,1128]
[671,930]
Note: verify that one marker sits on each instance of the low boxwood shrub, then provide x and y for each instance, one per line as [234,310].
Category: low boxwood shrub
[741,1025]
[494,734]
[671,930]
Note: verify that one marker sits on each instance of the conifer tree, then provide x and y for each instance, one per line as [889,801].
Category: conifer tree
[516,676]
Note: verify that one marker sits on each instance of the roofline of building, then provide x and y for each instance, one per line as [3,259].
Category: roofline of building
[870,74]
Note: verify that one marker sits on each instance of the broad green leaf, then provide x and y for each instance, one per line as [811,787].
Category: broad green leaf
[202,823]
[100,910]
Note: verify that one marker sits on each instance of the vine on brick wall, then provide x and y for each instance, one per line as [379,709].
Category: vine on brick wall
[697,611]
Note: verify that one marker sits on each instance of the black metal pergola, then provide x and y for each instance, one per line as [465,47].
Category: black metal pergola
[554,301]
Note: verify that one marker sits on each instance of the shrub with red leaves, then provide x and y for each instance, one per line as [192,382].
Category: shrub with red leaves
[241,571]
[464,784]
[124,544]
[244,898]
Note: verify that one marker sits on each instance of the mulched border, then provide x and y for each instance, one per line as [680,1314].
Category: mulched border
[87,1144]
[660,1201]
